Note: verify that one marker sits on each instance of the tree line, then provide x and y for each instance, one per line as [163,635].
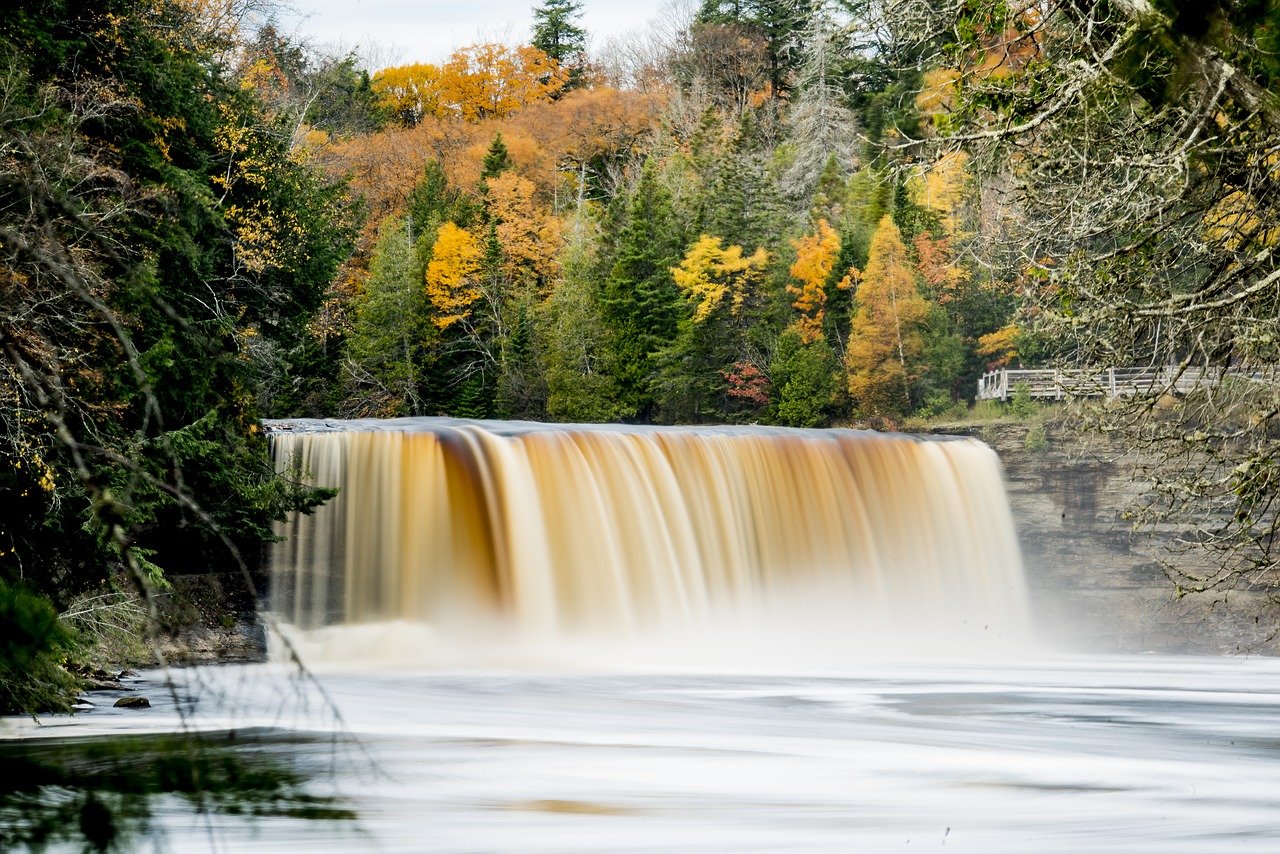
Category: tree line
[735,240]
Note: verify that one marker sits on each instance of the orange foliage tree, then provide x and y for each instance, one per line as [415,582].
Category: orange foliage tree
[886,339]
[528,237]
[815,259]
[493,81]
[478,82]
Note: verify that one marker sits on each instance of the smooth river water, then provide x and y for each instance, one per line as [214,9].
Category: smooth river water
[1147,753]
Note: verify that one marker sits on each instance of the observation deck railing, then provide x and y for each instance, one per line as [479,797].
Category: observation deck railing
[1061,384]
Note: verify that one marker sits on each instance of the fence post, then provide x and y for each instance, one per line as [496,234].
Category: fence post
[1111,380]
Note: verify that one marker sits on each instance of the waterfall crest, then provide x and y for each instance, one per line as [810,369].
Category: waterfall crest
[610,531]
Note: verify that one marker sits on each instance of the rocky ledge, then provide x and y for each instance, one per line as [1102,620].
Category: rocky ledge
[208,619]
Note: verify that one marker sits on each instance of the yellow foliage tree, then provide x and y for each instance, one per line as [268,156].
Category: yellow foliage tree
[815,259]
[886,337]
[711,273]
[453,274]
[409,92]
[493,81]
[1001,346]
[944,186]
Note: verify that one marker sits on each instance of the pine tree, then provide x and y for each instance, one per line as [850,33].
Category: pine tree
[496,160]
[557,34]
[779,23]
[743,206]
[804,381]
[640,300]
[708,371]
[578,353]
[387,345]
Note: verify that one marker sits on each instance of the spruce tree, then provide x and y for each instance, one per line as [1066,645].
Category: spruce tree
[640,300]
[557,34]
[386,362]
[744,206]
[496,160]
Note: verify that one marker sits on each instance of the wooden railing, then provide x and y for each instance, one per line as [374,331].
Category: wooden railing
[1060,384]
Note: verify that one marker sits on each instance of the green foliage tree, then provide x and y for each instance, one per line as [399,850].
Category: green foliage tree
[388,363]
[780,24]
[342,99]
[804,381]
[496,160]
[160,244]
[578,353]
[742,203]
[708,372]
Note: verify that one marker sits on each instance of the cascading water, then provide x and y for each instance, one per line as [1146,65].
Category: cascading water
[546,533]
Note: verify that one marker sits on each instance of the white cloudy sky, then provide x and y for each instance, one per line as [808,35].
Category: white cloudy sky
[429,30]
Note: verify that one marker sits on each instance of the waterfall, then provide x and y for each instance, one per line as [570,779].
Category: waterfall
[609,531]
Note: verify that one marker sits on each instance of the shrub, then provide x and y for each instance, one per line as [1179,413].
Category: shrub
[1021,404]
[34,643]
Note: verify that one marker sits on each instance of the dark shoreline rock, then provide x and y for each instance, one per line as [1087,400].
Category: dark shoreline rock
[210,619]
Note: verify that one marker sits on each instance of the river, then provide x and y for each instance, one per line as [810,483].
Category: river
[1148,753]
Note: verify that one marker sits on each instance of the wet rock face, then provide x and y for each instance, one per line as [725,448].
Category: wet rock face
[1095,583]
[210,618]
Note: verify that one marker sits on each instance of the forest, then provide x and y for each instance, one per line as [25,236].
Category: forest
[806,213]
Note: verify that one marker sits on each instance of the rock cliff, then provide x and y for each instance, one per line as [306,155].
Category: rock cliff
[1095,583]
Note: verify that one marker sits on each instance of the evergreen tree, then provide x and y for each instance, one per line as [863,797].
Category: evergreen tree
[496,160]
[743,205]
[804,381]
[778,22]
[640,300]
[578,354]
[521,384]
[557,34]
[341,98]
[163,254]
[387,348]
[710,370]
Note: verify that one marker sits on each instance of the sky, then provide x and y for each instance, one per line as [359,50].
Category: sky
[404,31]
